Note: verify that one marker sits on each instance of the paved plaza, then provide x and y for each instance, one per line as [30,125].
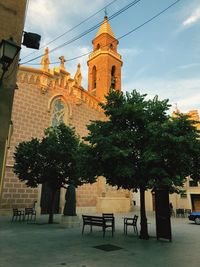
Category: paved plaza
[43,245]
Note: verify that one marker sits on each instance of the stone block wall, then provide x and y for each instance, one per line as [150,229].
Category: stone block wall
[12,16]
[31,115]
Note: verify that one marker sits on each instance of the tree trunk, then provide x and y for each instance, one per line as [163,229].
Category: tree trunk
[143,222]
[51,208]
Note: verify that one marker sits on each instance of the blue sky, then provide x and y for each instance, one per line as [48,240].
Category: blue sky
[161,58]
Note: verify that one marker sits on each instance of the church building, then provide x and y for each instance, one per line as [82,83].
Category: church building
[47,96]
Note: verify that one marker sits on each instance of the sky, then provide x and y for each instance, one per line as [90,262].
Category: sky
[160,58]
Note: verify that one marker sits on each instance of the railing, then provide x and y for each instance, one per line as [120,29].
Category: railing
[101,51]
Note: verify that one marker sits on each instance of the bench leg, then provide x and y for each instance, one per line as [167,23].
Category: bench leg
[126,229]
[29,218]
[136,230]
[83,229]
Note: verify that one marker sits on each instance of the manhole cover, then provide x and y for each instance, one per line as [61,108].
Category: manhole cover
[108,247]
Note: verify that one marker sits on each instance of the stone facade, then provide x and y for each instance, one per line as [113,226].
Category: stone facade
[189,199]
[45,97]
[12,16]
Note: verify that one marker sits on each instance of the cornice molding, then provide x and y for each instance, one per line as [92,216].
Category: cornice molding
[63,85]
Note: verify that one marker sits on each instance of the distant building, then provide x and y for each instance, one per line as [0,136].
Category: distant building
[190,198]
[47,97]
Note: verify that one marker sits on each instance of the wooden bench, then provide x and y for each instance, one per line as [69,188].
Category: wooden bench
[109,217]
[97,221]
[17,215]
[30,214]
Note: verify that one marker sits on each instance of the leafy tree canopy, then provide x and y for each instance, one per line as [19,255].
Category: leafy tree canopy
[51,160]
[140,144]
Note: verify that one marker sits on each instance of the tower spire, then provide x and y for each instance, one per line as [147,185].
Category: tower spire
[105,28]
[104,64]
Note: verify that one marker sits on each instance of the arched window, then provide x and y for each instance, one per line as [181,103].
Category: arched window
[58,112]
[111,46]
[98,46]
[113,77]
[94,78]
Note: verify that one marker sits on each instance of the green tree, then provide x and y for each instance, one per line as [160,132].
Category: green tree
[51,161]
[140,146]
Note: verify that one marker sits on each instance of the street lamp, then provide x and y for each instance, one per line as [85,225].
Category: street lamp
[8,51]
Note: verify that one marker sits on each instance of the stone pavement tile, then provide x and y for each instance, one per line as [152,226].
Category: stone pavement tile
[43,245]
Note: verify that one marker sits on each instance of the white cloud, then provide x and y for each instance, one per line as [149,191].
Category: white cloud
[40,14]
[140,72]
[192,101]
[55,17]
[193,18]
[129,52]
[184,92]
[51,19]
[160,49]
[188,66]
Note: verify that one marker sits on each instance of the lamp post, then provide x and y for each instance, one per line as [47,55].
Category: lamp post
[8,51]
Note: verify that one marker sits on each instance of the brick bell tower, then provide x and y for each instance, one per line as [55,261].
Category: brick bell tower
[104,64]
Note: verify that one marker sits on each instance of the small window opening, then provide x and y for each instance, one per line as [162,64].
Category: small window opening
[94,73]
[113,79]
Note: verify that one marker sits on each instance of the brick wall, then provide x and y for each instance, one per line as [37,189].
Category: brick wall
[30,117]
[12,15]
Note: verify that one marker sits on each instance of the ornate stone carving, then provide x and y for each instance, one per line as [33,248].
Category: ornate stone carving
[78,76]
[25,78]
[62,63]
[45,60]
[44,89]
[32,79]
[38,80]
